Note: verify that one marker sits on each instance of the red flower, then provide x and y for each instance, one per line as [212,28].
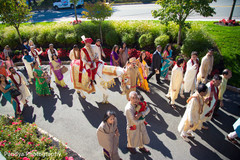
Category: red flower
[30,143]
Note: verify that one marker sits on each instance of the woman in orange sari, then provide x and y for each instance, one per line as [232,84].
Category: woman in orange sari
[143,69]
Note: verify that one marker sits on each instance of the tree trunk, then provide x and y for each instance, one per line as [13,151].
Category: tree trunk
[233,6]
[100,28]
[75,8]
[19,36]
[179,35]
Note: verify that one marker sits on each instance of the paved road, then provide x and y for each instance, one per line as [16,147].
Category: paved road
[137,12]
[75,120]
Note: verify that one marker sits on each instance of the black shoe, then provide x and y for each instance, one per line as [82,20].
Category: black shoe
[132,150]
[94,81]
[144,150]
[159,82]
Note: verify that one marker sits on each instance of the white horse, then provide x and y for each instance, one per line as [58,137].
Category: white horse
[104,79]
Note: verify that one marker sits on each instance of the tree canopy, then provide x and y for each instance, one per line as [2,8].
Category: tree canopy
[97,12]
[178,11]
[14,12]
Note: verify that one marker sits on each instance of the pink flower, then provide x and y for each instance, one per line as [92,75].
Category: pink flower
[32,155]
[51,147]
[9,134]
[25,158]
[30,143]
[9,143]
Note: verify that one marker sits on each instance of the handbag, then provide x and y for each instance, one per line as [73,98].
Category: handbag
[64,69]
[14,93]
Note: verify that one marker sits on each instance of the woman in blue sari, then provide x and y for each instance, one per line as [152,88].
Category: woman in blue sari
[167,62]
[6,87]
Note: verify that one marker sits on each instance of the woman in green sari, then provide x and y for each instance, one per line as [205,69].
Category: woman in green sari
[42,88]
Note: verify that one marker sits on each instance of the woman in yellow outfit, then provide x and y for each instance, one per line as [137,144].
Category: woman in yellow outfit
[55,66]
[143,69]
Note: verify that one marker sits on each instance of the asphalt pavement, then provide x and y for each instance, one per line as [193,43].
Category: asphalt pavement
[74,120]
[137,12]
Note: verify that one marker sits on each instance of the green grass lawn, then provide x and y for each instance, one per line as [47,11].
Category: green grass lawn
[227,39]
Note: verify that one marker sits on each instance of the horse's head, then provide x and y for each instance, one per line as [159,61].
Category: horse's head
[125,81]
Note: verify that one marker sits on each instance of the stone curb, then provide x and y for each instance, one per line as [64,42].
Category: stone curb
[229,87]
[55,142]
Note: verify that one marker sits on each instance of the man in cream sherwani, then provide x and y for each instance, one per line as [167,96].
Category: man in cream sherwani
[176,82]
[211,100]
[137,134]
[190,76]
[191,117]
[97,48]
[21,83]
[206,67]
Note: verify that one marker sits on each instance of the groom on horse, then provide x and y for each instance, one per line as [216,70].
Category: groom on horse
[90,60]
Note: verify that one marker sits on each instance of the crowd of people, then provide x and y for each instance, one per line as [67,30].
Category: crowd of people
[203,103]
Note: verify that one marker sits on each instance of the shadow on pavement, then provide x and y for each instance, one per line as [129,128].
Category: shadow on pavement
[160,102]
[66,96]
[214,138]
[27,114]
[46,102]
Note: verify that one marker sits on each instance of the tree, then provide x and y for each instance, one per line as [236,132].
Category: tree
[233,6]
[14,12]
[97,12]
[75,2]
[178,10]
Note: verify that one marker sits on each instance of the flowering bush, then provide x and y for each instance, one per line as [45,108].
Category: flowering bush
[76,22]
[22,141]
[229,22]
[136,53]
[107,53]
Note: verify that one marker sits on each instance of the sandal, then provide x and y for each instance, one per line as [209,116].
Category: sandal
[173,106]
[232,140]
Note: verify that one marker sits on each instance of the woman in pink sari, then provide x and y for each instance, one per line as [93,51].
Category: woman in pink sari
[9,63]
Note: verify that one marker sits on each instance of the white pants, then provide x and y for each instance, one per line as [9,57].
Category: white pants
[232,135]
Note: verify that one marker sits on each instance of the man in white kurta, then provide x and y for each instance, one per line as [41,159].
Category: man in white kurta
[35,54]
[190,76]
[51,51]
[28,60]
[191,117]
[21,83]
[97,48]
[212,98]
[176,82]
[205,68]
[137,134]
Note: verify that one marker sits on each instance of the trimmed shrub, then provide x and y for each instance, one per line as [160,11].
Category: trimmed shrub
[145,40]
[112,38]
[196,40]
[162,40]
[60,38]
[70,38]
[129,39]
